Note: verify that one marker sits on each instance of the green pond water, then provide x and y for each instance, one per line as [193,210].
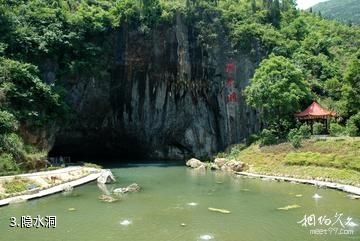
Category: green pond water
[172,195]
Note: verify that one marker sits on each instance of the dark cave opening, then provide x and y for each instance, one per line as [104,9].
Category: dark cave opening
[100,149]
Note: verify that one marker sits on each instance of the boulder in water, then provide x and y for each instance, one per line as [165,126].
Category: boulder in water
[106,177]
[131,188]
[194,163]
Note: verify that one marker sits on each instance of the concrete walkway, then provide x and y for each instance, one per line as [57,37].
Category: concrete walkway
[341,187]
[93,175]
[47,173]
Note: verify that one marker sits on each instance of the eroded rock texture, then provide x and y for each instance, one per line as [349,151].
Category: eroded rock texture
[163,96]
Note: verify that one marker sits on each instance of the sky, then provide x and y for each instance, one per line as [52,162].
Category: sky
[304,4]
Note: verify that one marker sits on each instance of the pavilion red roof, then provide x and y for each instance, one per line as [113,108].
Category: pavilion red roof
[315,111]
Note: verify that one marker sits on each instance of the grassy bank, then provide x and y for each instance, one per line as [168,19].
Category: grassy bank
[330,159]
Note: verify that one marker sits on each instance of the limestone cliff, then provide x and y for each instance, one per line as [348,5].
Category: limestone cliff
[164,95]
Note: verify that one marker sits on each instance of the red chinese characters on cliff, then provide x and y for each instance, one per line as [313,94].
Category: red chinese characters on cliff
[232,97]
[230,69]
[229,82]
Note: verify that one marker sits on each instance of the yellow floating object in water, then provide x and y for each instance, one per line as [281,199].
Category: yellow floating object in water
[298,195]
[289,207]
[219,210]
[72,209]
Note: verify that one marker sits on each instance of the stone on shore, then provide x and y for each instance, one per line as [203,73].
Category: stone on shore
[106,177]
[220,162]
[213,166]
[236,166]
[228,165]
[194,163]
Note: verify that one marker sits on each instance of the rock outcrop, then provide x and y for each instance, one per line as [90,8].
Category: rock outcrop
[106,177]
[194,163]
[236,166]
[220,162]
[163,95]
[228,165]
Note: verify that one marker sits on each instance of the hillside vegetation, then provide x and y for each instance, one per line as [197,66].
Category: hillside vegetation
[331,159]
[304,57]
[346,11]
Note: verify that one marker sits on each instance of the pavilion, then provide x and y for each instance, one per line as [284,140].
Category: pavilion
[316,112]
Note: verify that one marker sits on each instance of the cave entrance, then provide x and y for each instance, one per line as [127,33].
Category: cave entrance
[103,149]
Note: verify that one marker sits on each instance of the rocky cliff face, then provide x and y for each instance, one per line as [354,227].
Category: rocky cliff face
[164,96]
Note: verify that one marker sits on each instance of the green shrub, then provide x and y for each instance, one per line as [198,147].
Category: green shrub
[305,131]
[318,128]
[7,163]
[351,129]
[252,138]
[337,130]
[235,150]
[8,122]
[13,144]
[295,137]
[267,137]
[353,125]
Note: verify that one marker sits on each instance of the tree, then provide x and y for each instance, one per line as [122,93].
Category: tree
[351,90]
[288,4]
[253,6]
[275,13]
[278,89]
